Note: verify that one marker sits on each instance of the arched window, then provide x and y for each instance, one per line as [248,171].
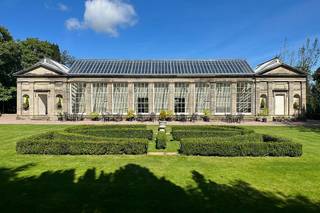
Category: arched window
[296,102]
[59,99]
[26,103]
[263,102]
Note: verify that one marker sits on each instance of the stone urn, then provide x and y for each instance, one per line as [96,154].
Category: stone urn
[162,125]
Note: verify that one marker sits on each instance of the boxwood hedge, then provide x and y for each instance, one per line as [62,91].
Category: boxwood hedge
[178,135]
[59,143]
[252,137]
[218,148]
[114,133]
[161,140]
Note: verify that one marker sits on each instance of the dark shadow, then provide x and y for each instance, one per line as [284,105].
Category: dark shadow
[135,189]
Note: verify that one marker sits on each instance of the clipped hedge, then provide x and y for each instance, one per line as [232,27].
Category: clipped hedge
[106,127]
[161,140]
[253,137]
[196,147]
[206,127]
[54,143]
[178,135]
[114,133]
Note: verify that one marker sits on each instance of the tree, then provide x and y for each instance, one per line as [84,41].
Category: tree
[10,62]
[5,35]
[33,50]
[6,94]
[66,58]
[306,58]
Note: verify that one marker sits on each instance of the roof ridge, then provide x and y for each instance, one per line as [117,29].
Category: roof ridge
[169,60]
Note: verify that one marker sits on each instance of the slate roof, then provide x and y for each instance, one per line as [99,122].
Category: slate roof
[155,68]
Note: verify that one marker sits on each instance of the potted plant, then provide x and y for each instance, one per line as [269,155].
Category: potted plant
[206,115]
[162,118]
[25,104]
[59,103]
[296,107]
[264,114]
[94,116]
[169,116]
[130,115]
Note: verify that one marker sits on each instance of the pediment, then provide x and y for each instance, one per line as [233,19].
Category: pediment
[40,70]
[282,70]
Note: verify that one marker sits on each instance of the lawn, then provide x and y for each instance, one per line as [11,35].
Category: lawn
[36,183]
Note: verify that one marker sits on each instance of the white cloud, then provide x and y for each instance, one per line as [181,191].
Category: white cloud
[62,7]
[73,24]
[105,16]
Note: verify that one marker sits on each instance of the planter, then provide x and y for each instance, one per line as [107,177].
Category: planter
[206,119]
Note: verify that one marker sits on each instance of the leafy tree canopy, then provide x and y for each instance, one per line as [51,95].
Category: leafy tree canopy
[5,35]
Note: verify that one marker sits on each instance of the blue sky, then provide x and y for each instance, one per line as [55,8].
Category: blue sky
[154,29]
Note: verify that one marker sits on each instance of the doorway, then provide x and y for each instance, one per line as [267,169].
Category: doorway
[43,104]
[279,105]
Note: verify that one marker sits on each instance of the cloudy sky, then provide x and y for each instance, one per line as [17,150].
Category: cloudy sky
[154,29]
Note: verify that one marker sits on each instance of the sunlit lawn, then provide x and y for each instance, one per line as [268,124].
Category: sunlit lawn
[281,176]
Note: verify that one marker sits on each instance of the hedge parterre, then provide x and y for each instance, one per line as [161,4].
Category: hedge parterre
[56,143]
[231,141]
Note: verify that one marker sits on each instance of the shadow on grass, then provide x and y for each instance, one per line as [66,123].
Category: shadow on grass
[135,189]
[307,128]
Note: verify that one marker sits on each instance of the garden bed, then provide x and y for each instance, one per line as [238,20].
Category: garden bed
[232,141]
[88,140]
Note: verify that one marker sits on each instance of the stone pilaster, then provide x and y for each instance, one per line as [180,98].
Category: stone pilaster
[130,96]
[171,97]
[19,98]
[213,98]
[109,97]
[290,98]
[257,98]
[151,97]
[51,102]
[234,98]
[191,102]
[270,99]
[32,101]
[88,98]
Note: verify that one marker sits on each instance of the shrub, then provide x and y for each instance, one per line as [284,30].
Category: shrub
[114,133]
[58,143]
[130,115]
[253,137]
[106,127]
[270,138]
[208,127]
[94,116]
[161,140]
[178,135]
[194,147]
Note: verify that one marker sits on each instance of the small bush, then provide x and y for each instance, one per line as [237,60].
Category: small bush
[194,147]
[161,140]
[94,116]
[59,143]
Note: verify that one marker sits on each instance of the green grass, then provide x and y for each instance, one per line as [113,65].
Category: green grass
[38,183]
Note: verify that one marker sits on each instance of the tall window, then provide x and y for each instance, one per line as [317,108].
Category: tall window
[141,99]
[202,97]
[161,91]
[181,97]
[78,103]
[99,97]
[120,98]
[244,97]
[223,98]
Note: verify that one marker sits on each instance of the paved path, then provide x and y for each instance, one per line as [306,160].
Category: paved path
[11,119]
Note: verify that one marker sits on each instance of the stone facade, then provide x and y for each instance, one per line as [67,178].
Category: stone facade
[40,82]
